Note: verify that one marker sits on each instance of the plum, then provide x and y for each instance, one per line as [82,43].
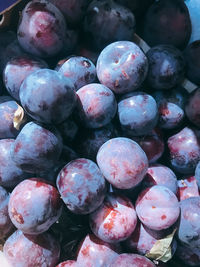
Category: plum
[188,188]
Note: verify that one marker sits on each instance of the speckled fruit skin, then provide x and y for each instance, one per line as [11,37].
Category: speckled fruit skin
[10,173]
[23,250]
[67,264]
[189,230]
[158,174]
[47,96]
[115,220]
[5,223]
[17,69]
[34,206]
[96,105]
[189,256]
[138,113]
[79,70]
[94,252]
[192,107]
[81,185]
[127,260]
[37,148]
[166,67]
[157,207]
[122,162]
[42,28]
[122,67]
[184,150]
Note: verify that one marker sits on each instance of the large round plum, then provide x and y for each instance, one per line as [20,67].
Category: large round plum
[122,162]
[122,67]
[47,96]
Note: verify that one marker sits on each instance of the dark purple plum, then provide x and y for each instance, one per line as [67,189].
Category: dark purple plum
[189,229]
[184,150]
[17,69]
[189,256]
[68,130]
[122,162]
[67,264]
[157,207]
[188,188]
[152,144]
[166,67]
[42,29]
[5,223]
[115,220]
[47,96]
[89,141]
[106,22]
[81,185]
[127,260]
[10,173]
[122,67]
[192,59]
[158,174]
[96,106]
[37,148]
[34,205]
[79,70]
[192,107]
[167,22]
[138,113]
[27,250]
[73,10]
[96,253]
[12,117]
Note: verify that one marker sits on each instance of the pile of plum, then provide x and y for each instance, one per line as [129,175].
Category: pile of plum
[99,140]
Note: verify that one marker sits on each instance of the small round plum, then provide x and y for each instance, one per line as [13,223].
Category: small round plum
[122,67]
[42,29]
[157,207]
[192,107]
[122,162]
[96,105]
[47,96]
[34,206]
[115,220]
[31,250]
[81,185]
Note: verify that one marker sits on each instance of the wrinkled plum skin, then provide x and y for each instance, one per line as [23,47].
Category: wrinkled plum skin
[138,113]
[152,144]
[189,230]
[17,69]
[167,22]
[166,67]
[115,220]
[73,10]
[44,103]
[81,185]
[127,260]
[27,250]
[79,70]
[184,150]
[67,264]
[10,174]
[106,22]
[122,162]
[189,256]
[36,148]
[42,28]
[96,253]
[192,59]
[5,222]
[90,141]
[37,208]
[8,107]
[158,174]
[157,207]
[192,107]
[96,106]
[187,188]
[122,67]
